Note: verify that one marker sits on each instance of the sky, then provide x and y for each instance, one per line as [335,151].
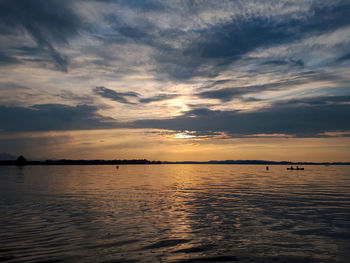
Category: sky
[175,80]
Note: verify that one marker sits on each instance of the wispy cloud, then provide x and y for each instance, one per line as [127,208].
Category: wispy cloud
[46,22]
[160,97]
[121,97]
[114,95]
[227,94]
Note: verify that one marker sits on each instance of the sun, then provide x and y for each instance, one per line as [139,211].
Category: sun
[184,135]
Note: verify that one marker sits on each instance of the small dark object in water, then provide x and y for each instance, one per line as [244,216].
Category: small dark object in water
[117,167]
[292,168]
[267,168]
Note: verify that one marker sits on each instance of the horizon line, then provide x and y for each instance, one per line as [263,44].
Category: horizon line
[22,160]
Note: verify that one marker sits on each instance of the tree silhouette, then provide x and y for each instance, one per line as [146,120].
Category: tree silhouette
[21,160]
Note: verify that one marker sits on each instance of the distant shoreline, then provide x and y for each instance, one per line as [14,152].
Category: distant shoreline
[258,162]
[147,162]
[78,162]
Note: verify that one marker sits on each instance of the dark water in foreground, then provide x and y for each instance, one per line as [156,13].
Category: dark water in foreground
[174,213]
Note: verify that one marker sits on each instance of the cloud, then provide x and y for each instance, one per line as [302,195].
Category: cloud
[324,100]
[343,58]
[160,97]
[181,40]
[302,118]
[281,62]
[234,38]
[68,95]
[140,5]
[141,33]
[144,5]
[6,59]
[327,17]
[114,95]
[211,49]
[121,96]
[227,94]
[12,86]
[53,117]
[47,22]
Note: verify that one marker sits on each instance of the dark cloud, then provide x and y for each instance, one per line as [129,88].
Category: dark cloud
[47,22]
[304,118]
[275,62]
[217,46]
[142,5]
[6,59]
[81,99]
[240,35]
[231,39]
[12,86]
[142,33]
[121,96]
[227,94]
[343,58]
[251,99]
[227,89]
[329,17]
[307,119]
[329,100]
[160,97]
[179,53]
[298,62]
[114,95]
[216,83]
[53,117]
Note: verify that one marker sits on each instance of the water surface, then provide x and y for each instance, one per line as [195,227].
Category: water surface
[174,213]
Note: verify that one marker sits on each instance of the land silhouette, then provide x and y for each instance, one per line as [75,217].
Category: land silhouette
[21,161]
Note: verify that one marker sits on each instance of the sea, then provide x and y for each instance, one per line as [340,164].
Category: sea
[174,213]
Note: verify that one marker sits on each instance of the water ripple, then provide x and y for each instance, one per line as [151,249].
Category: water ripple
[174,213]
